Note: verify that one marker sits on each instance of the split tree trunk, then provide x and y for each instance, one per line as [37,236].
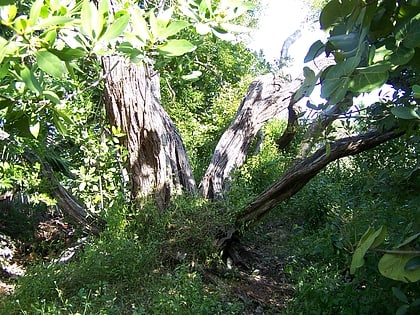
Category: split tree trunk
[266,97]
[157,160]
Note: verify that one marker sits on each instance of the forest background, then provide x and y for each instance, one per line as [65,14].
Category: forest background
[112,111]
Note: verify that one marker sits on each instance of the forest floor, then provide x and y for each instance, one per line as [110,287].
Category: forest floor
[261,282]
[264,286]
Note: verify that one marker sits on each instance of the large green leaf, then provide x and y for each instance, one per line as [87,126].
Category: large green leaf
[314,51]
[406,112]
[52,21]
[335,11]
[409,33]
[69,54]
[370,239]
[116,28]
[369,78]
[50,63]
[173,29]
[139,25]
[30,80]
[87,18]
[393,266]
[336,80]
[176,47]
[35,11]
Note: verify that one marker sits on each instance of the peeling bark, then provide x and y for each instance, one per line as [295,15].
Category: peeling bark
[157,160]
[302,172]
[266,97]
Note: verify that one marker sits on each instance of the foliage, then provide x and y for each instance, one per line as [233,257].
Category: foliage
[141,264]
[371,189]
[372,43]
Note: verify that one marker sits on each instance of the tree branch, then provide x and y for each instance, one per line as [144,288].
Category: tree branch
[395,251]
[71,207]
[302,172]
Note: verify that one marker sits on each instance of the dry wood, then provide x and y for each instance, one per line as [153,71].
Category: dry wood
[302,172]
[157,160]
[266,97]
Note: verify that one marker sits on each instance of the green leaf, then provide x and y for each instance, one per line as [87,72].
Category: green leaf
[176,47]
[308,84]
[369,239]
[154,27]
[34,129]
[408,240]
[52,97]
[393,266]
[401,55]
[409,33]
[69,54]
[413,264]
[52,21]
[336,79]
[335,11]
[63,115]
[164,17]
[173,29]
[35,11]
[416,91]
[402,310]
[369,78]
[405,112]
[139,25]
[345,42]
[30,81]
[86,18]
[314,51]
[116,28]
[234,28]
[50,63]
[399,295]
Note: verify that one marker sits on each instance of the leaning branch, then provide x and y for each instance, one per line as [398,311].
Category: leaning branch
[70,206]
[302,172]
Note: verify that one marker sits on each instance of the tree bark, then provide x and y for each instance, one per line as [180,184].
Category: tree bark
[66,202]
[157,160]
[265,98]
[302,172]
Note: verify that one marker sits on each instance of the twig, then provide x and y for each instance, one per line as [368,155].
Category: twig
[396,251]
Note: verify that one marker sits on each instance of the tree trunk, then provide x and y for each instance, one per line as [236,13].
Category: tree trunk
[66,202]
[157,160]
[302,172]
[265,98]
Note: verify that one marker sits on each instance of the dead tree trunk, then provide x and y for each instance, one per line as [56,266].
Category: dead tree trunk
[302,172]
[265,98]
[157,160]
[66,202]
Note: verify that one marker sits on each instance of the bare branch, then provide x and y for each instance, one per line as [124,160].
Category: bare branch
[302,172]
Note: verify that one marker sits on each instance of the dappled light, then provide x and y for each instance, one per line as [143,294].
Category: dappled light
[152,163]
